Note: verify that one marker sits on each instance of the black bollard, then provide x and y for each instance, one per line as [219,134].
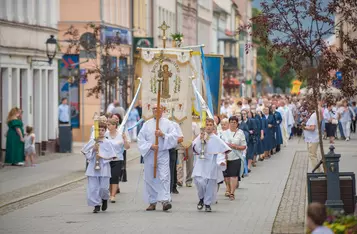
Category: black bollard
[333,201]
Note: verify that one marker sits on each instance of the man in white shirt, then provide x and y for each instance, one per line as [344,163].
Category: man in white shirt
[63,112]
[311,134]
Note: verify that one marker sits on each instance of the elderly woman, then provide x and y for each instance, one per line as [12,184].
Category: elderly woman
[235,139]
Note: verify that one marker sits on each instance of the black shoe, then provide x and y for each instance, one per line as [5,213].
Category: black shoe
[104,205]
[249,170]
[200,204]
[208,208]
[166,206]
[175,191]
[96,209]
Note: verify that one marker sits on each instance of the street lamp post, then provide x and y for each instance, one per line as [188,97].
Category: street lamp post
[51,50]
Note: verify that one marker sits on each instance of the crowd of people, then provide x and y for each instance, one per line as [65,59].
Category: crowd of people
[247,130]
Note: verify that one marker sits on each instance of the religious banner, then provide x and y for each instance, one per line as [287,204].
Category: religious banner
[214,67]
[172,68]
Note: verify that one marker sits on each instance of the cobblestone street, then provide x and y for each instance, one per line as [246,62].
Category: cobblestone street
[258,199]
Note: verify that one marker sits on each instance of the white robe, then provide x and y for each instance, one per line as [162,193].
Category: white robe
[98,180]
[283,126]
[157,189]
[290,119]
[205,171]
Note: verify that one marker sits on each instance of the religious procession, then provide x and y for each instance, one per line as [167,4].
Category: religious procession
[186,140]
[197,116]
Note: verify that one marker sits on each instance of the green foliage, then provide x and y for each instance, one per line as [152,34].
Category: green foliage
[340,223]
[272,65]
[177,36]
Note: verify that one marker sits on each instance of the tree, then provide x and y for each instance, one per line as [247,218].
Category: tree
[296,31]
[102,52]
[272,65]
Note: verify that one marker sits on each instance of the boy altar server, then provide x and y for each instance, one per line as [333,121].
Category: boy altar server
[98,180]
[205,170]
[157,189]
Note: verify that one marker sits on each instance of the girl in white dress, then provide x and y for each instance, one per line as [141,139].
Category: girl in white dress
[30,151]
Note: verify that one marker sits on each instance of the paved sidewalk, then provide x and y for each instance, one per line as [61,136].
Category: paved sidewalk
[253,211]
[53,170]
[292,209]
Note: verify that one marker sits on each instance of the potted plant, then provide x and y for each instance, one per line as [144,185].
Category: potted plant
[177,39]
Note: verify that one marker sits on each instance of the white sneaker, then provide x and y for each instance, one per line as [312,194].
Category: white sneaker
[347,139]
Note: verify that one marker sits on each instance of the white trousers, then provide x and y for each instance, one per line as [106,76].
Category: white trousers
[206,189]
[346,126]
[97,190]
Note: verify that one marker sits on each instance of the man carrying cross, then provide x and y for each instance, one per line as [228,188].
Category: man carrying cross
[157,189]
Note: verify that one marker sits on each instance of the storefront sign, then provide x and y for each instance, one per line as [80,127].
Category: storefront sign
[143,42]
[109,33]
[67,67]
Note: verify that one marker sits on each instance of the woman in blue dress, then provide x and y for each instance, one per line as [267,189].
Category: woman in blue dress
[269,138]
[259,135]
[277,130]
[264,126]
[252,129]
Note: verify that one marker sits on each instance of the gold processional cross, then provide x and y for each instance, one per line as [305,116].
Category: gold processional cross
[163,27]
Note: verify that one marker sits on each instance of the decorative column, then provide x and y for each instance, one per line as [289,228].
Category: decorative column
[333,180]
[6,102]
[19,10]
[15,87]
[9,12]
[27,96]
[52,106]
[44,108]
[37,104]
[30,11]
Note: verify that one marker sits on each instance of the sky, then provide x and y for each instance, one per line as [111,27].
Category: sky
[306,23]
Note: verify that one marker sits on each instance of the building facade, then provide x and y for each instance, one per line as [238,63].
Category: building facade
[163,10]
[28,81]
[204,25]
[225,43]
[187,20]
[115,19]
[345,29]
[245,60]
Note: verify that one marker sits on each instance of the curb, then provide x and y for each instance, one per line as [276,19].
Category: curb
[51,189]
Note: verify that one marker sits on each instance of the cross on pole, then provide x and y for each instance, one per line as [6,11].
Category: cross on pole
[164,27]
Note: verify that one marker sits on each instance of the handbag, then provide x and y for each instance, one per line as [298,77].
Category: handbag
[334,121]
